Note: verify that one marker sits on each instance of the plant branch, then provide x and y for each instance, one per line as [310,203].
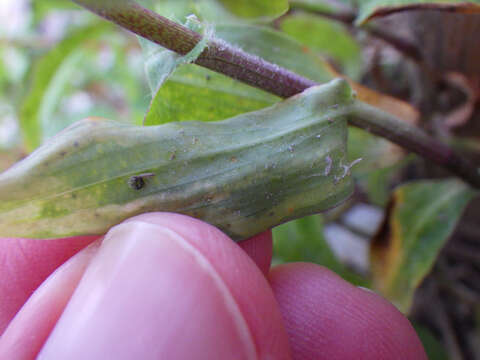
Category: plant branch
[218,56]
[250,69]
[414,139]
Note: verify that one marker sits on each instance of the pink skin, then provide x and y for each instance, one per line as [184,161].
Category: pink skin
[168,286]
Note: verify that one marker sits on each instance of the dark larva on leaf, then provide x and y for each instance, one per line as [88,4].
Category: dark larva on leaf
[137,182]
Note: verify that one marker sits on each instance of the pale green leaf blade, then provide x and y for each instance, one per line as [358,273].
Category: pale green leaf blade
[196,93]
[256,9]
[369,9]
[303,240]
[277,48]
[222,10]
[193,92]
[326,37]
[243,175]
[423,214]
[323,6]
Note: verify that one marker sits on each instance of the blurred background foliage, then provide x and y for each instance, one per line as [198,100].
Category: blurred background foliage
[59,64]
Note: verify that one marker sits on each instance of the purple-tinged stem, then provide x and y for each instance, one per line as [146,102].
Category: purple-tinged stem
[218,56]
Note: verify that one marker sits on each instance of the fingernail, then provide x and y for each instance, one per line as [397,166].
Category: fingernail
[150,294]
[367,290]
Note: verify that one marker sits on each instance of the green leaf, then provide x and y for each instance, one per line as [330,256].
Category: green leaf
[369,9]
[422,216]
[176,10]
[221,10]
[193,92]
[243,175]
[378,182]
[303,240]
[50,74]
[376,152]
[330,39]
[324,6]
[196,93]
[211,11]
[257,8]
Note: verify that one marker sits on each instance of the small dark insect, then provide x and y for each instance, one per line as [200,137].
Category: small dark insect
[137,182]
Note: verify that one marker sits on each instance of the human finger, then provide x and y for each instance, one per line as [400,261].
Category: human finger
[26,263]
[328,318]
[169,286]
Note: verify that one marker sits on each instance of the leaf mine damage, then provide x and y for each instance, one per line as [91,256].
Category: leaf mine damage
[233,174]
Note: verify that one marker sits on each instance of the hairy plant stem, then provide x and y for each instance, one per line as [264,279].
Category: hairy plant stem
[218,56]
[250,69]
[410,137]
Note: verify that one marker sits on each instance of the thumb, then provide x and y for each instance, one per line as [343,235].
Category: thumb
[169,289]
